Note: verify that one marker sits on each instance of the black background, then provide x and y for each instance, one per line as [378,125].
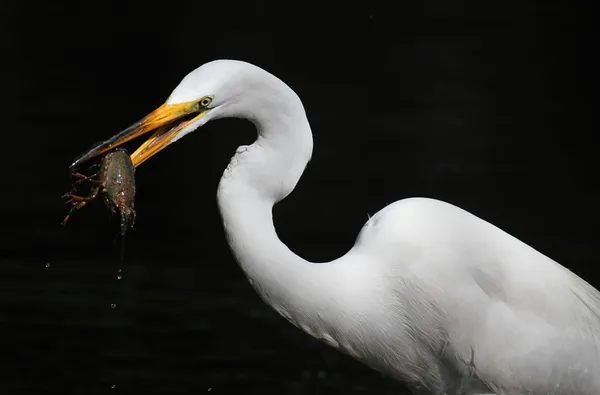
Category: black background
[484,104]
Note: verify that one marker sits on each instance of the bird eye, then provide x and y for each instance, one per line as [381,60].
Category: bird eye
[205,101]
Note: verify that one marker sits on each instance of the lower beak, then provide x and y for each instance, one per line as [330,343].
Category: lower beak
[165,120]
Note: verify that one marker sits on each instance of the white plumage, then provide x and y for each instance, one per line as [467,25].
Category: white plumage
[429,294]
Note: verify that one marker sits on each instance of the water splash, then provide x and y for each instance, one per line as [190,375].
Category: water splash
[48,264]
[113,306]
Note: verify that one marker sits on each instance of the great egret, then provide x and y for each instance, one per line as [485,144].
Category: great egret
[429,294]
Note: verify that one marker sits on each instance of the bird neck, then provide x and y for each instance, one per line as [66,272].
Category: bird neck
[258,176]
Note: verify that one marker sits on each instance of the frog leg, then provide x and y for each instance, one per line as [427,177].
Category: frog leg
[76,206]
[75,198]
[83,178]
[79,175]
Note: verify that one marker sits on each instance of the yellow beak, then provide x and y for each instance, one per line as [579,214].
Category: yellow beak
[162,120]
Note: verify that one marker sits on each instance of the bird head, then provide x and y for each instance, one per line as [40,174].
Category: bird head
[213,90]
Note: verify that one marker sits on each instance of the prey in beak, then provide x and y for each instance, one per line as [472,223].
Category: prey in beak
[167,121]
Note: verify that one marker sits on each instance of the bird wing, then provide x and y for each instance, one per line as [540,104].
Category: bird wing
[524,322]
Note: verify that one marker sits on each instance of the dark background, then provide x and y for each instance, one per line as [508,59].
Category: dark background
[484,104]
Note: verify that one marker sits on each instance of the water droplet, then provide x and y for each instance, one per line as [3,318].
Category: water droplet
[48,264]
[113,387]
[210,389]
[120,270]
[119,277]
[113,306]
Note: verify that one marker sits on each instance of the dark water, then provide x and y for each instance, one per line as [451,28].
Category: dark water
[60,334]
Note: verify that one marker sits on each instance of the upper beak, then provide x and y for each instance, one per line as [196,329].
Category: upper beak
[162,119]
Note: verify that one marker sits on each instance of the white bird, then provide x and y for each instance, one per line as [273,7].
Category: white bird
[430,294]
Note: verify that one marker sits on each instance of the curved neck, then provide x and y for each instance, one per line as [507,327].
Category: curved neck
[258,176]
